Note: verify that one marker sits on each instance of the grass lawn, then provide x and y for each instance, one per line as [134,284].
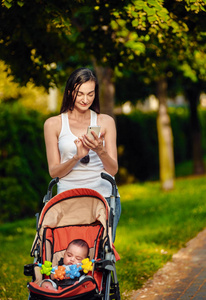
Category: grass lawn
[153,226]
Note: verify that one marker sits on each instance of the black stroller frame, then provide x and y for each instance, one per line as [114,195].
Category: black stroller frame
[109,284]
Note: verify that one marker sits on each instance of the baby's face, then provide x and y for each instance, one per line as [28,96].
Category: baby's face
[74,255]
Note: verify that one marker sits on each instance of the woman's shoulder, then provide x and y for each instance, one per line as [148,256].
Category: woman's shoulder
[53,121]
[105,119]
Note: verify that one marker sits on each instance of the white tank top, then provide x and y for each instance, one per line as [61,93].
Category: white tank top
[82,175]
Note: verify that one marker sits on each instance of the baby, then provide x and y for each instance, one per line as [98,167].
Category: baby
[76,251]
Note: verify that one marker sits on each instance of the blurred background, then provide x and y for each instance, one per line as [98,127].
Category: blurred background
[150,60]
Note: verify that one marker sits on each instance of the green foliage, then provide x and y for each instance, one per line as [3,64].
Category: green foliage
[202,117]
[153,226]
[137,146]
[117,34]
[23,165]
[181,134]
[138,143]
[29,96]
[33,49]
[176,40]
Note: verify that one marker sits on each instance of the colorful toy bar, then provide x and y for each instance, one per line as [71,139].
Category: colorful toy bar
[69,271]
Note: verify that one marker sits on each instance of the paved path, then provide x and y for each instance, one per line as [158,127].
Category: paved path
[183,278]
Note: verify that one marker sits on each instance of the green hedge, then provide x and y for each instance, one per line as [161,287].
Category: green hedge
[138,143]
[23,166]
[202,116]
[137,146]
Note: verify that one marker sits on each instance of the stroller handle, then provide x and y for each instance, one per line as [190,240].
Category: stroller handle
[52,183]
[112,181]
[105,176]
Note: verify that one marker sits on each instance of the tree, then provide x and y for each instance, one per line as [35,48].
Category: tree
[149,37]
[34,40]
[191,64]
[165,138]
[169,46]
[154,39]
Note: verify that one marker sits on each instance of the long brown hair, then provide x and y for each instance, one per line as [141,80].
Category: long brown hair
[76,79]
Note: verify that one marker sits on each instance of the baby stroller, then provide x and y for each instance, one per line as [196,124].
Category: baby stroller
[76,214]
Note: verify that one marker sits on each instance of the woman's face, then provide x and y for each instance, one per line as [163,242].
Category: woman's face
[74,254]
[85,95]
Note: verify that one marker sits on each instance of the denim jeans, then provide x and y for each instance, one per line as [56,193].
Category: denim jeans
[116,216]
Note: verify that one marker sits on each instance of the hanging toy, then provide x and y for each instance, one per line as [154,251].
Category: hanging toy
[68,271]
[46,268]
[87,265]
[60,273]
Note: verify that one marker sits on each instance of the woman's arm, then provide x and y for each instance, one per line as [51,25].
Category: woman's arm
[52,128]
[108,153]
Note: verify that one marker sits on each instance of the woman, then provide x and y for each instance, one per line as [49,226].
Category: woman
[72,155]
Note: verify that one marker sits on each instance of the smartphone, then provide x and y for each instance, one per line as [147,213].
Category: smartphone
[96,129]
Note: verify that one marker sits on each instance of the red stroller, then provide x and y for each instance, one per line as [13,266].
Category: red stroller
[76,214]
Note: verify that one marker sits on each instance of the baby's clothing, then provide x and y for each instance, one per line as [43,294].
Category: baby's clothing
[82,175]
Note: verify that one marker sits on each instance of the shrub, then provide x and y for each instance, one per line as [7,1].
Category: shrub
[23,165]
[137,145]
[137,142]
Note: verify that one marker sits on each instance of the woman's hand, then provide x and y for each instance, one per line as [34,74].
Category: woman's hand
[95,144]
[82,151]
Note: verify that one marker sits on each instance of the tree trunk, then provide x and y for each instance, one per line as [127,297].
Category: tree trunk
[193,95]
[53,99]
[105,77]
[165,139]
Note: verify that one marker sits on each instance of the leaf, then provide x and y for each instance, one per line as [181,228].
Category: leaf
[147,38]
[193,7]
[164,14]
[137,47]
[202,8]
[152,19]
[154,3]
[140,5]
[150,11]
[20,3]
[135,23]
[134,14]
[8,3]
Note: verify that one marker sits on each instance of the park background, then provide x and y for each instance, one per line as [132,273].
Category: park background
[149,57]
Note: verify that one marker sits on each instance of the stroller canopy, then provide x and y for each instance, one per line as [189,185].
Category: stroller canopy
[73,207]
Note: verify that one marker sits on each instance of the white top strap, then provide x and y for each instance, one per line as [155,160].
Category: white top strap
[93,121]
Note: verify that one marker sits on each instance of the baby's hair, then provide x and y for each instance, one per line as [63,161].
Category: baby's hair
[80,243]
